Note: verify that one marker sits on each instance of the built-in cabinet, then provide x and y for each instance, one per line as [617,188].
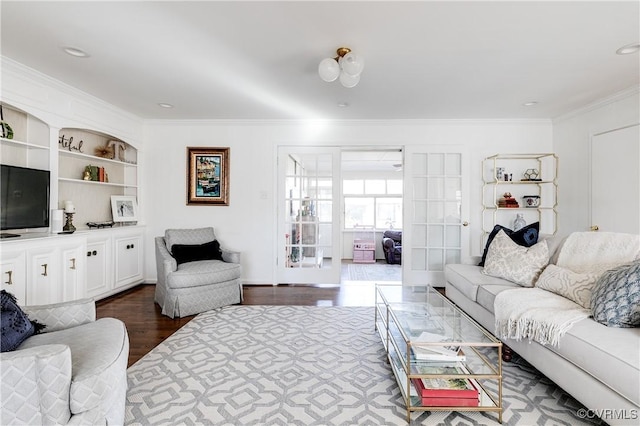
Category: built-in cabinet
[522,185]
[41,267]
[47,269]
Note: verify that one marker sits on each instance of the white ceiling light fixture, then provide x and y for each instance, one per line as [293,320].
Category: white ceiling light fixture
[346,67]
[165,105]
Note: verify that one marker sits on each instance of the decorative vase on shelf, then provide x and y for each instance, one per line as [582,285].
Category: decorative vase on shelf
[519,223]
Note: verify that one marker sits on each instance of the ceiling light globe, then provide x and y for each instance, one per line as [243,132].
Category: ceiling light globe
[349,81]
[352,64]
[329,70]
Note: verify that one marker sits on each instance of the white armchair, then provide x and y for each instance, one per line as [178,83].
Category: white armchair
[75,372]
[199,284]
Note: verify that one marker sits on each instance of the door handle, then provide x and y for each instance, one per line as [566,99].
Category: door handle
[10,282]
[44,274]
[595,228]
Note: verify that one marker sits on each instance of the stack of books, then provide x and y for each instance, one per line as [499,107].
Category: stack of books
[440,392]
[452,352]
[508,202]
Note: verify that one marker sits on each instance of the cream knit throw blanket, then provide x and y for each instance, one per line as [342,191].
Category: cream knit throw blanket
[535,314]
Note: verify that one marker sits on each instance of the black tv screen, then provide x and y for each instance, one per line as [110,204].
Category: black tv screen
[24,199]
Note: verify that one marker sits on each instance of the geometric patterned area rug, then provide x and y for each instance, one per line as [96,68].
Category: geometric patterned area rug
[304,365]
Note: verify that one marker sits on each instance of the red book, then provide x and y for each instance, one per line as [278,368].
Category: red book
[450,402]
[446,388]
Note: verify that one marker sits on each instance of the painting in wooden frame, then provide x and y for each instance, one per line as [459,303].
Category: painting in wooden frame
[207,176]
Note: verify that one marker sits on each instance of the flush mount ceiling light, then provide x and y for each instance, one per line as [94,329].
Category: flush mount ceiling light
[347,67]
[165,105]
[530,103]
[74,51]
[629,49]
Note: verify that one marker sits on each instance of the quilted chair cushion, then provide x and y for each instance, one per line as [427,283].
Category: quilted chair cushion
[194,274]
[35,386]
[99,355]
[188,236]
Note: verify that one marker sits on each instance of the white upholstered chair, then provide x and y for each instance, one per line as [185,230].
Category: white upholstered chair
[194,274]
[74,372]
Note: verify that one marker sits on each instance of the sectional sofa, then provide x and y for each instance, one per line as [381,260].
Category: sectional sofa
[599,365]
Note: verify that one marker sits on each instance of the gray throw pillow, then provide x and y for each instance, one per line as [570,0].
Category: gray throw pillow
[615,301]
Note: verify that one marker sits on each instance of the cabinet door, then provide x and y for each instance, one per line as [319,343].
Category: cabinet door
[12,265]
[128,260]
[72,272]
[98,271]
[42,277]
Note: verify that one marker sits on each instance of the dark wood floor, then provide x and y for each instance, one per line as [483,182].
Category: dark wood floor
[147,327]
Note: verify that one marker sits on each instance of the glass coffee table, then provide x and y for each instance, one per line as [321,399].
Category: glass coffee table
[442,359]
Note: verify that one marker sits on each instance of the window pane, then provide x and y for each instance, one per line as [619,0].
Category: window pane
[353,186]
[389,213]
[374,186]
[394,186]
[358,212]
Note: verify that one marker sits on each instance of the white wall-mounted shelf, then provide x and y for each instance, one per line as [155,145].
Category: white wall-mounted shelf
[93,182]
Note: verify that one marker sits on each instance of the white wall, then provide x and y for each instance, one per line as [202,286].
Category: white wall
[572,143]
[248,224]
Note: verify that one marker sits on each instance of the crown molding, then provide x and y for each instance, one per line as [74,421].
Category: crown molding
[618,96]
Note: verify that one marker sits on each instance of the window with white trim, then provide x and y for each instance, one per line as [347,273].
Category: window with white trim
[372,202]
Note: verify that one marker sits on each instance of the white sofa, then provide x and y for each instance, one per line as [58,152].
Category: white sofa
[75,372]
[596,364]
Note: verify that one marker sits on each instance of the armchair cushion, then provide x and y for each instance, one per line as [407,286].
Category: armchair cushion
[60,316]
[184,253]
[15,324]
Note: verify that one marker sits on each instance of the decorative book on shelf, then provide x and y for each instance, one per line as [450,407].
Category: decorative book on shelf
[451,352]
[447,392]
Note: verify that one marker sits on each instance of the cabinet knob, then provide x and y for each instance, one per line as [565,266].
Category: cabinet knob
[465,223]
[95,252]
[595,227]
[88,254]
[10,281]
[44,272]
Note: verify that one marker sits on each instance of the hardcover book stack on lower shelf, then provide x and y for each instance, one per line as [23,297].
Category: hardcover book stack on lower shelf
[446,392]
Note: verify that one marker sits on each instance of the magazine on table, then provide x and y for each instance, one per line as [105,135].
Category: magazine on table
[451,352]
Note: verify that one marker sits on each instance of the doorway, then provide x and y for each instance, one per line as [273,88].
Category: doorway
[371,203]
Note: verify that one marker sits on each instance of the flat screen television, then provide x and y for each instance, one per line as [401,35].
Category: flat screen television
[24,198]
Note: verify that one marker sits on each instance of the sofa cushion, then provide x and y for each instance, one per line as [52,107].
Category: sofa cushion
[14,323]
[616,297]
[199,273]
[469,278]
[184,253]
[508,260]
[526,237]
[99,355]
[609,354]
[572,285]
[487,294]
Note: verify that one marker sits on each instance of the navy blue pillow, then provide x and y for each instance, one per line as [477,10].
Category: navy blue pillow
[184,253]
[525,237]
[14,323]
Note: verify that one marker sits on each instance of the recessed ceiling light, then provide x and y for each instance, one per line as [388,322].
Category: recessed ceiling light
[74,51]
[165,105]
[530,103]
[629,49]
[343,104]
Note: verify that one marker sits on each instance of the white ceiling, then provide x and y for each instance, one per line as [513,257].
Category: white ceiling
[258,60]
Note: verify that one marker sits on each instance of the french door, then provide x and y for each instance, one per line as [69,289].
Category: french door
[308,240]
[436,212]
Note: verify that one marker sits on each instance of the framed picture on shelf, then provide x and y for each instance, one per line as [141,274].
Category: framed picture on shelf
[124,208]
[208,176]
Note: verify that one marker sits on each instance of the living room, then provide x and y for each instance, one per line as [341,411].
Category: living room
[441,78]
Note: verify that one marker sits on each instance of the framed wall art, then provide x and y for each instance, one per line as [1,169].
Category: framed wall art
[208,176]
[124,208]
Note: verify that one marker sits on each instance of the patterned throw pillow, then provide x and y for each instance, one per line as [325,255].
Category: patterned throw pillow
[615,301]
[15,324]
[508,260]
[526,237]
[572,285]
